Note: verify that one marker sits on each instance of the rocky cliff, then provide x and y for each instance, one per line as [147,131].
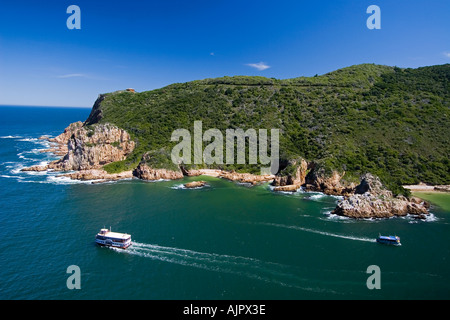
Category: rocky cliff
[93,147]
[292,182]
[312,177]
[372,200]
[331,183]
[246,177]
[88,147]
[145,172]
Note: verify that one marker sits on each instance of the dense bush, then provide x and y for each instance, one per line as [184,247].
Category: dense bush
[390,121]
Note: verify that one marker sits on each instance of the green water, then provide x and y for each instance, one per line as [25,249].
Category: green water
[440,199]
[223,241]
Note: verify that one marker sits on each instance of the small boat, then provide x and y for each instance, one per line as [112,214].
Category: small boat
[394,240]
[113,239]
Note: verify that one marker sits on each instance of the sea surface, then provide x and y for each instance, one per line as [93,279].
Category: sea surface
[222,241]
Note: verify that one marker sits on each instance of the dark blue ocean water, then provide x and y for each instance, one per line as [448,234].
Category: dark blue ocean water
[224,241]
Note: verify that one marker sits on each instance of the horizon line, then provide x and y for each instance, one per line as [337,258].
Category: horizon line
[42,106]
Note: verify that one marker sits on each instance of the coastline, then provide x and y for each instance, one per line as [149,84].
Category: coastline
[428,188]
[438,198]
[88,149]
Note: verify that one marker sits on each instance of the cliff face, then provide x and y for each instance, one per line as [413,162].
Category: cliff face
[60,142]
[144,172]
[298,178]
[87,148]
[312,178]
[93,147]
[328,183]
[369,199]
[96,113]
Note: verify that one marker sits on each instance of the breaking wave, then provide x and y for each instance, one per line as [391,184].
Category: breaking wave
[183,187]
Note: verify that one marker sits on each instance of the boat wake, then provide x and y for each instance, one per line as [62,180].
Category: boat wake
[252,268]
[318,232]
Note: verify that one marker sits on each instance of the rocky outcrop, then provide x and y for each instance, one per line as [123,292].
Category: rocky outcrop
[312,178]
[195,184]
[64,137]
[287,188]
[329,183]
[372,200]
[246,177]
[199,172]
[145,172]
[88,147]
[253,179]
[35,168]
[292,182]
[95,174]
[93,147]
[59,143]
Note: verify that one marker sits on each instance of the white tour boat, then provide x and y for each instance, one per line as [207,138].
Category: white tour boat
[113,239]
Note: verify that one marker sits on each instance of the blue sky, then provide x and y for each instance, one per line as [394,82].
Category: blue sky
[149,44]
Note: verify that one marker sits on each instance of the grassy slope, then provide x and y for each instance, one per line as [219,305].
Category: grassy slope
[392,122]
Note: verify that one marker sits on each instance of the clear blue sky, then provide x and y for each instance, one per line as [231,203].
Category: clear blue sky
[149,44]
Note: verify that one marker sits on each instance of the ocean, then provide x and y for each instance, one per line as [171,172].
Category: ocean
[223,241]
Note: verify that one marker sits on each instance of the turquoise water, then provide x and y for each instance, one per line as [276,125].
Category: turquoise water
[223,241]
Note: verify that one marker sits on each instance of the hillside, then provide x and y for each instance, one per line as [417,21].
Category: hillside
[389,121]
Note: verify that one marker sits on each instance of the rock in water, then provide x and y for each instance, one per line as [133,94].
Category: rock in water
[35,168]
[372,200]
[287,188]
[195,184]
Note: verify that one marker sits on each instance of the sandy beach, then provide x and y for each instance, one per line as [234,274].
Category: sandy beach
[428,188]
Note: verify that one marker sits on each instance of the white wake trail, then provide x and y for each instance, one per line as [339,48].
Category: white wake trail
[319,232]
[243,266]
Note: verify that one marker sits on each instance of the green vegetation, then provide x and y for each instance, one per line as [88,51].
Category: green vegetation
[389,121]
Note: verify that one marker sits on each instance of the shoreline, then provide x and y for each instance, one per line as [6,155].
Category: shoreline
[87,152]
[428,188]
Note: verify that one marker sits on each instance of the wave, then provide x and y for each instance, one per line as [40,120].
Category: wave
[158,180]
[10,137]
[16,169]
[300,190]
[349,237]
[67,181]
[183,187]
[316,196]
[11,177]
[328,216]
[28,139]
[242,266]
[431,218]
[320,196]
[178,187]
[428,218]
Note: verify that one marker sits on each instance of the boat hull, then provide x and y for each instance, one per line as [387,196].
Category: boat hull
[389,242]
[105,243]
[107,238]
